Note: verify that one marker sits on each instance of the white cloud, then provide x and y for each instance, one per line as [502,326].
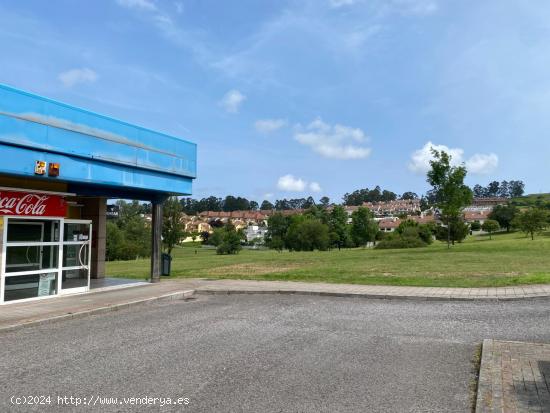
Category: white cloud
[337,142]
[291,184]
[232,101]
[482,164]
[75,76]
[138,4]
[478,163]
[315,187]
[269,125]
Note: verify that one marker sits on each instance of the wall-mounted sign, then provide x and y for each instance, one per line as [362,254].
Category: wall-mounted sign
[112,211]
[32,204]
[53,169]
[40,168]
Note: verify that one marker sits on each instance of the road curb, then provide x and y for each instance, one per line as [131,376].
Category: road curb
[450,298]
[178,295]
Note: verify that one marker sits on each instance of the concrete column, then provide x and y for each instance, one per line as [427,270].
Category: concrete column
[156,246]
[94,208]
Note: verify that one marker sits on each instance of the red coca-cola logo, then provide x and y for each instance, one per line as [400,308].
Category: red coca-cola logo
[31,204]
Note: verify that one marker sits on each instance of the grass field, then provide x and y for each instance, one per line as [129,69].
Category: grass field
[508,259]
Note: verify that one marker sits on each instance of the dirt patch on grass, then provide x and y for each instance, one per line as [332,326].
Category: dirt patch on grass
[252,269]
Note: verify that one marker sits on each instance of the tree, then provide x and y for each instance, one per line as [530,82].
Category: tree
[531,221]
[516,189]
[338,227]
[324,201]
[455,231]
[493,189]
[307,234]
[277,227]
[450,192]
[490,226]
[253,206]
[363,227]
[479,191]
[308,203]
[205,235]
[475,226]
[230,240]
[266,205]
[172,227]
[409,195]
[115,242]
[504,215]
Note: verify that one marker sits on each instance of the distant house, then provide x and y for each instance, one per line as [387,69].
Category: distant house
[480,216]
[489,202]
[255,232]
[394,208]
[388,224]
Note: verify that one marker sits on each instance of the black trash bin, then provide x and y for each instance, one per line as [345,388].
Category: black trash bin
[166,264]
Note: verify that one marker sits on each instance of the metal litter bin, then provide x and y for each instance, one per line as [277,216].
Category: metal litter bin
[166,264]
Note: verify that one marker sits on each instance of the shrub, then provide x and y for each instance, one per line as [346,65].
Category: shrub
[475,226]
[400,242]
[229,239]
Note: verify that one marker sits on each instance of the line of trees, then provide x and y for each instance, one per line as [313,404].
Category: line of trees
[504,189]
[321,229]
[128,237]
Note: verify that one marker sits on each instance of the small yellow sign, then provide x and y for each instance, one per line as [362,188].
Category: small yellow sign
[40,168]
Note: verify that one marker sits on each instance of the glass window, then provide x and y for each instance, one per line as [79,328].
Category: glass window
[33,230]
[74,278]
[30,286]
[75,255]
[31,258]
[76,232]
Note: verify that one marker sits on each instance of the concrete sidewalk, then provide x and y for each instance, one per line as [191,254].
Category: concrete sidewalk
[514,377]
[17,315]
[368,291]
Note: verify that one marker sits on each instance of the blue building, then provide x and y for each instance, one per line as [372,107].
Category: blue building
[59,166]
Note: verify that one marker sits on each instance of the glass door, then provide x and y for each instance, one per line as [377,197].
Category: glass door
[30,257]
[75,260]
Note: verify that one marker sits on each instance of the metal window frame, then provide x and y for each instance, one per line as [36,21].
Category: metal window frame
[58,270]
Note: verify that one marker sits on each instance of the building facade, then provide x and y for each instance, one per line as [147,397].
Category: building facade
[59,166]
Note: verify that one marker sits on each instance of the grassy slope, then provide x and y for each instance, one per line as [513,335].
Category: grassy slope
[508,259]
[531,200]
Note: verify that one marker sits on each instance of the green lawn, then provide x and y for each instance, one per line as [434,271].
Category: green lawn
[508,259]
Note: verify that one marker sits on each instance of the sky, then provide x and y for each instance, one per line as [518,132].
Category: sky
[298,98]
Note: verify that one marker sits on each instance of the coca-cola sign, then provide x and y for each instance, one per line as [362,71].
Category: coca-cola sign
[29,204]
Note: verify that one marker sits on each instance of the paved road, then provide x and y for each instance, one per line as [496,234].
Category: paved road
[268,353]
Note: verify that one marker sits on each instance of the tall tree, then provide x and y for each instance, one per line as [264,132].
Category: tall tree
[450,192]
[172,226]
[409,195]
[493,188]
[324,201]
[338,227]
[363,227]
[266,205]
[516,188]
[504,215]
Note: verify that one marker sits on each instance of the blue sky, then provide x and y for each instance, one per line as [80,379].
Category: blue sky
[298,98]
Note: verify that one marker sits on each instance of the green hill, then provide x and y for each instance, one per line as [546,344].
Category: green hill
[532,200]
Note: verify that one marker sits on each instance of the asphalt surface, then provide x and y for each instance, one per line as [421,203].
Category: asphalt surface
[264,353]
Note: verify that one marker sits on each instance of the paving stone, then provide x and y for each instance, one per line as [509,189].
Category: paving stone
[511,379]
